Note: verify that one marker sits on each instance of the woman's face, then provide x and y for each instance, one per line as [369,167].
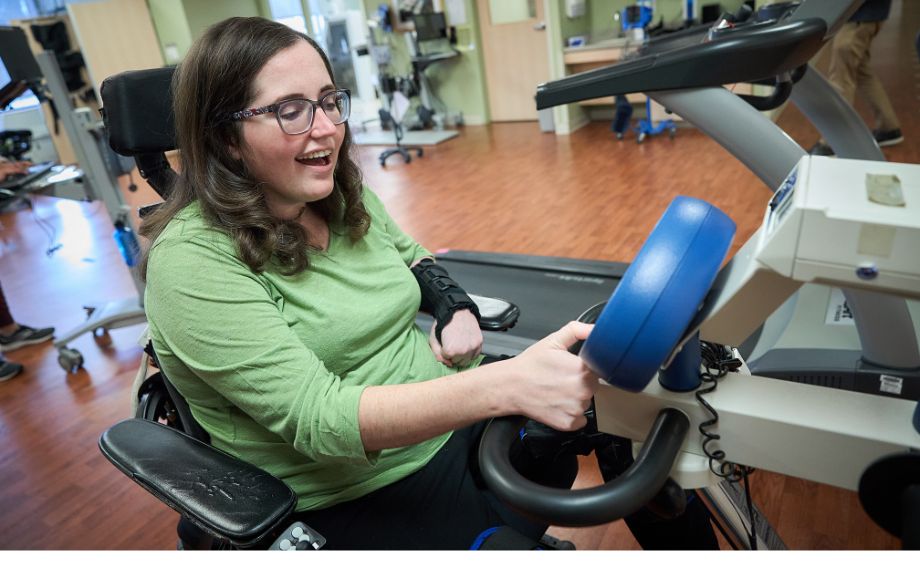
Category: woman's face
[293,168]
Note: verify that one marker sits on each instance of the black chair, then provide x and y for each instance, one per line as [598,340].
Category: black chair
[163,448]
[390,85]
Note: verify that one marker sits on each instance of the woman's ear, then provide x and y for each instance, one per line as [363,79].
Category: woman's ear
[234,150]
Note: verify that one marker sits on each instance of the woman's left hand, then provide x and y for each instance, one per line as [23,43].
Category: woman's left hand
[461,340]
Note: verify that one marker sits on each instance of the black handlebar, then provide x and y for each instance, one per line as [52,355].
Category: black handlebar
[781,93]
[583,507]
[783,89]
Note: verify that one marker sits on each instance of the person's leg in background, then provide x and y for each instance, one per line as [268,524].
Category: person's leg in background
[14,335]
[887,127]
[8,370]
[851,70]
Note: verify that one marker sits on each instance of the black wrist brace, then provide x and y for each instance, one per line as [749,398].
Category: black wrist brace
[441,296]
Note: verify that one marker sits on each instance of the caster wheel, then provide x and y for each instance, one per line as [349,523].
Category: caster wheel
[71,360]
[102,337]
[672,133]
[408,159]
[620,136]
[640,138]
[421,153]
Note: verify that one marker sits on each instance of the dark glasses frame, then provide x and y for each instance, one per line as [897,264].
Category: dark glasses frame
[314,104]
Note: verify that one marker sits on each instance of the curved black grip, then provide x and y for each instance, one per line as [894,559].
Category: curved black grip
[583,507]
[781,93]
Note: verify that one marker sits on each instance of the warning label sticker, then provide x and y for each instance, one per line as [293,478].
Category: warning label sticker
[838,313]
[890,384]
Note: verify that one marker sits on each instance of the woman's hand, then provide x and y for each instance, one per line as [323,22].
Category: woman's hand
[13,167]
[554,386]
[461,340]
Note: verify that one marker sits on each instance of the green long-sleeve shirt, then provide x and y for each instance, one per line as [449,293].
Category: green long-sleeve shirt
[273,366]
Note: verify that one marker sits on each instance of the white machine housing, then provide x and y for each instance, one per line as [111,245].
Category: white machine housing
[821,226]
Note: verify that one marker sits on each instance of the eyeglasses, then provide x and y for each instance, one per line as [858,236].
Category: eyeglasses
[295,116]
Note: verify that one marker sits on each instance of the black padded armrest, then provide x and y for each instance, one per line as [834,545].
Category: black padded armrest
[495,313]
[225,496]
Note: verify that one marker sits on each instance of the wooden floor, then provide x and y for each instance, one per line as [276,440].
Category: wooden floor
[505,188]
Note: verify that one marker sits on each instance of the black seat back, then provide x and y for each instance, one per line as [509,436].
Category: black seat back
[138,116]
[160,388]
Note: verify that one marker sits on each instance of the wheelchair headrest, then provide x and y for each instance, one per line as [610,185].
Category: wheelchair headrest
[137,111]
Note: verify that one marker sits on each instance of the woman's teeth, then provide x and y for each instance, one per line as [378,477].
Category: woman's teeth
[315,158]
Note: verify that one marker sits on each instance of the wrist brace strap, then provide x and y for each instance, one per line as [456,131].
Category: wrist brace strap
[441,296]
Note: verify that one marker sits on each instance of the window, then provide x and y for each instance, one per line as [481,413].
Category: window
[290,13]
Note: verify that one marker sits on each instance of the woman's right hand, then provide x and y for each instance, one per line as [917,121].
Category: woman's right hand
[554,386]
[9,167]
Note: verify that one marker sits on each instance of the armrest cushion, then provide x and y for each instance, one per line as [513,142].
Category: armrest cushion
[225,496]
[495,313]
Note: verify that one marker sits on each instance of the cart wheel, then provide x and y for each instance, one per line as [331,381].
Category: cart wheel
[640,137]
[421,153]
[70,359]
[672,133]
[620,136]
[102,337]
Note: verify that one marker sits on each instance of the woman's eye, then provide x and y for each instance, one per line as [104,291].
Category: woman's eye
[291,115]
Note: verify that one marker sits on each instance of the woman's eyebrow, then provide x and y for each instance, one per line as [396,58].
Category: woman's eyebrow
[323,90]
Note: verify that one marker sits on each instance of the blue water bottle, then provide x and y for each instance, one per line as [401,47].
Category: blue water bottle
[127,243]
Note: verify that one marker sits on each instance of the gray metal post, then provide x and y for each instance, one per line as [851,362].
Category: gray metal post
[98,183]
[82,130]
[752,138]
[836,120]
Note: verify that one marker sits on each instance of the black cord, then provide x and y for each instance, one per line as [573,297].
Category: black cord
[750,503]
[718,361]
[48,228]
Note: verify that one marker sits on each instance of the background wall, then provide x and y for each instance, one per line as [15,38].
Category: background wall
[179,22]
[172,28]
[459,83]
[203,13]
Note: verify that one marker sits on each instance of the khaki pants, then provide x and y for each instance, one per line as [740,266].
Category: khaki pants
[850,70]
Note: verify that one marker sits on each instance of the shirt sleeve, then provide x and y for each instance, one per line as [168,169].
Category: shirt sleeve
[220,321]
[409,250]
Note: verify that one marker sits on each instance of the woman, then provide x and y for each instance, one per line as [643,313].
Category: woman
[281,301]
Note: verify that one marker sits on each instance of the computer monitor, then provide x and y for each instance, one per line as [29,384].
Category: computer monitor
[19,63]
[429,27]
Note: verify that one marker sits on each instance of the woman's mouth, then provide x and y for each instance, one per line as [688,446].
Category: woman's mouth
[316,158]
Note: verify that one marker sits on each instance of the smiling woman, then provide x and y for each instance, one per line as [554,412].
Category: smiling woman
[240,164]
[281,299]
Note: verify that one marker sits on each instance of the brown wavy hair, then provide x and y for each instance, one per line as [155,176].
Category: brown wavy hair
[214,80]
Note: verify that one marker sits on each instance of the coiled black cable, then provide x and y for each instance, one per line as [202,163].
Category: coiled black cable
[718,361]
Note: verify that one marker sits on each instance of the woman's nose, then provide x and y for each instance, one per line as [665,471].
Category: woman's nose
[322,125]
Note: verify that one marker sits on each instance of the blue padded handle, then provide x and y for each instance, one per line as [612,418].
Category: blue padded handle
[662,290]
